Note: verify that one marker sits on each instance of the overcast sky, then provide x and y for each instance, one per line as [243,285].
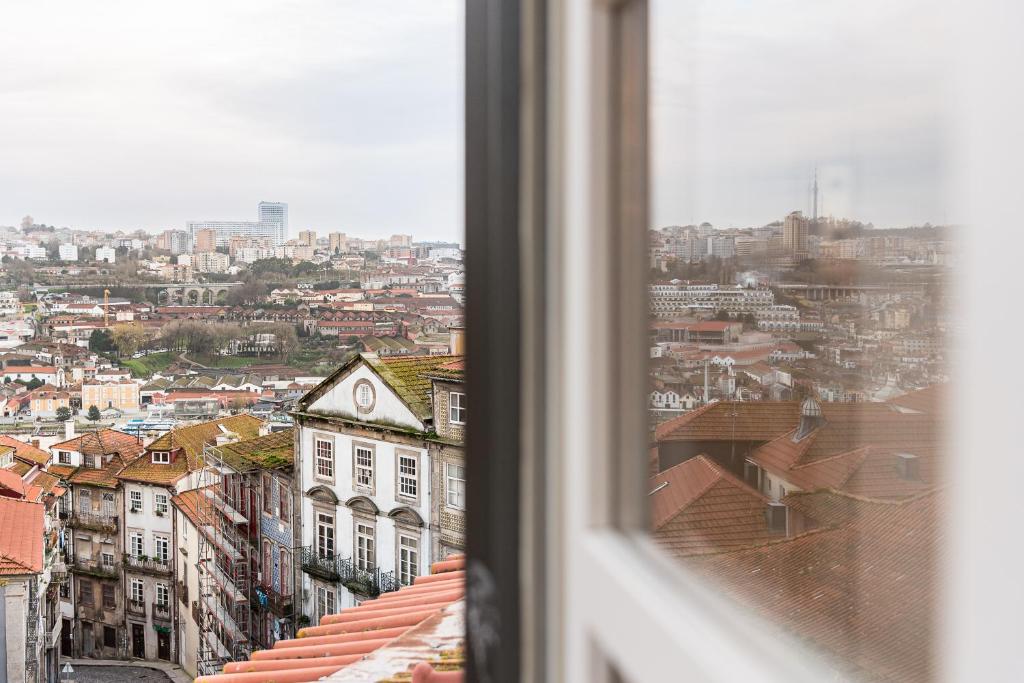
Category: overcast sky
[137,114]
[759,92]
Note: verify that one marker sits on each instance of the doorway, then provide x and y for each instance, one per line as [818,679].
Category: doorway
[138,641]
[65,638]
[163,645]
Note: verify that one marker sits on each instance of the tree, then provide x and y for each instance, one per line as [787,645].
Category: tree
[127,338]
[100,342]
[94,413]
[248,293]
[34,383]
[63,413]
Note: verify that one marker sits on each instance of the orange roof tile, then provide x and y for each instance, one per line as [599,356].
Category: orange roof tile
[12,482]
[25,451]
[21,544]
[188,503]
[697,507]
[357,634]
[753,421]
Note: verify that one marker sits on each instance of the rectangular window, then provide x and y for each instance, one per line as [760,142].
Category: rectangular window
[325,602]
[408,560]
[268,554]
[286,573]
[109,636]
[364,467]
[161,457]
[109,601]
[268,494]
[64,457]
[408,483]
[456,485]
[108,560]
[162,548]
[324,535]
[162,595]
[160,503]
[457,407]
[138,591]
[85,501]
[137,544]
[136,501]
[85,592]
[324,459]
[285,496]
[365,547]
[108,504]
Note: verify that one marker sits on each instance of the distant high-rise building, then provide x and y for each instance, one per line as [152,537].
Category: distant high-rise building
[174,241]
[401,240]
[206,240]
[794,234]
[68,252]
[307,238]
[272,223]
[337,243]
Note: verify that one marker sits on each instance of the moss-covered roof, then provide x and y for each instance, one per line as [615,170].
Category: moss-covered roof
[264,452]
[408,377]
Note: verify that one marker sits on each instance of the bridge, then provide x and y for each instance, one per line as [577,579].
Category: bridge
[830,292]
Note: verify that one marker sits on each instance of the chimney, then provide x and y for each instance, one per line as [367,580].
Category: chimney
[69,429]
[35,442]
[456,340]
[909,466]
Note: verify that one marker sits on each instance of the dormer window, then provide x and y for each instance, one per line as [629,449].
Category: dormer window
[161,458]
[7,459]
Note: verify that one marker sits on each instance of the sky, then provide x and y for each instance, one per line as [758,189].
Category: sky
[138,114]
[750,96]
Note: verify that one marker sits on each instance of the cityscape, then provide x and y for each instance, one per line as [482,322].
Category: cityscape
[218,438]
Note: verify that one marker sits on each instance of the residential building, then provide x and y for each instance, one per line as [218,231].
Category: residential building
[170,465]
[205,240]
[337,243]
[272,224]
[448,459]
[174,241]
[362,445]
[795,229]
[210,262]
[67,252]
[96,521]
[106,255]
[307,238]
[121,395]
[46,401]
[186,572]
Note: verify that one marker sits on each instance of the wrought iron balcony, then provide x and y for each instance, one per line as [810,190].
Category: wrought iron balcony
[151,565]
[162,612]
[320,564]
[97,568]
[93,521]
[137,607]
[368,582]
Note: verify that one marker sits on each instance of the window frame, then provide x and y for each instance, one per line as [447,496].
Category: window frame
[401,478]
[134,495]
[364,544]
[459,409]
[448,479]
[370,488]
[158,507]
[161,458]
[141,585]
[329,460]
[331,526]
[406,578]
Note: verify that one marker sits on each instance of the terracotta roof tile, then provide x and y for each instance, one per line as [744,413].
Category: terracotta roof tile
[25,451]
[361,636]
[21,544]
[754,421]
[188,503]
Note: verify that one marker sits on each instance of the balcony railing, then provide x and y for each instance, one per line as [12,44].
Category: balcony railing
[342,570]
[93,521]
[147,564]
[136,607]
[162,612]
[279,604]
[97,568]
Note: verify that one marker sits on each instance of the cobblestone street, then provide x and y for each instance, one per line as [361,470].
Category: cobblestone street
[115,674]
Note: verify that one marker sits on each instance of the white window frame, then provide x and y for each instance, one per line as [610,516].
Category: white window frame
[138,591]
[408,559]
[364,475]
[364,554]
[162,542]
[163,595]
[455,485]
[457,407]
[407,470]
[161,506]
[137,544]
[326,521]
[133,498]
[161,457]
[323,459]
[326,601]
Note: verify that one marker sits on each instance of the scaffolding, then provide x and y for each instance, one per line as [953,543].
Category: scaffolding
[227,564]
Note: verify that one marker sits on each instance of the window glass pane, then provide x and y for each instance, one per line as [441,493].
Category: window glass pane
[801,249]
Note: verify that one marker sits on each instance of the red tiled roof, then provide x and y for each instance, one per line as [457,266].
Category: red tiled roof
[929,400]
[355,634]
[12,482]
[862,588]
[699,507]
[102,442]
[21,544]
[754,421]
[25,451]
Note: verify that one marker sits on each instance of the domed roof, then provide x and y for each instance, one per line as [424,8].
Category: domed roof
[810,407]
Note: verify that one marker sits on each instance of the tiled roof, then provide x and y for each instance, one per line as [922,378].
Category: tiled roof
[62,471]
[21,543]
[191,440]
[454,371]
[862,588]
[930,400]
[25,451]
[407,376]
[105,477]
[12,482]
[188,503]
[725,420]
[271,451]
[103,442]
[699,507]
[394,631]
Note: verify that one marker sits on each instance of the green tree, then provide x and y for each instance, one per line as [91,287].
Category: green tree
[94,413]
[63,413]
[34,383]
[127,338]
[100,342]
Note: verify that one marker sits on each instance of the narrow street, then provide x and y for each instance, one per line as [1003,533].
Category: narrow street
[115,674]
